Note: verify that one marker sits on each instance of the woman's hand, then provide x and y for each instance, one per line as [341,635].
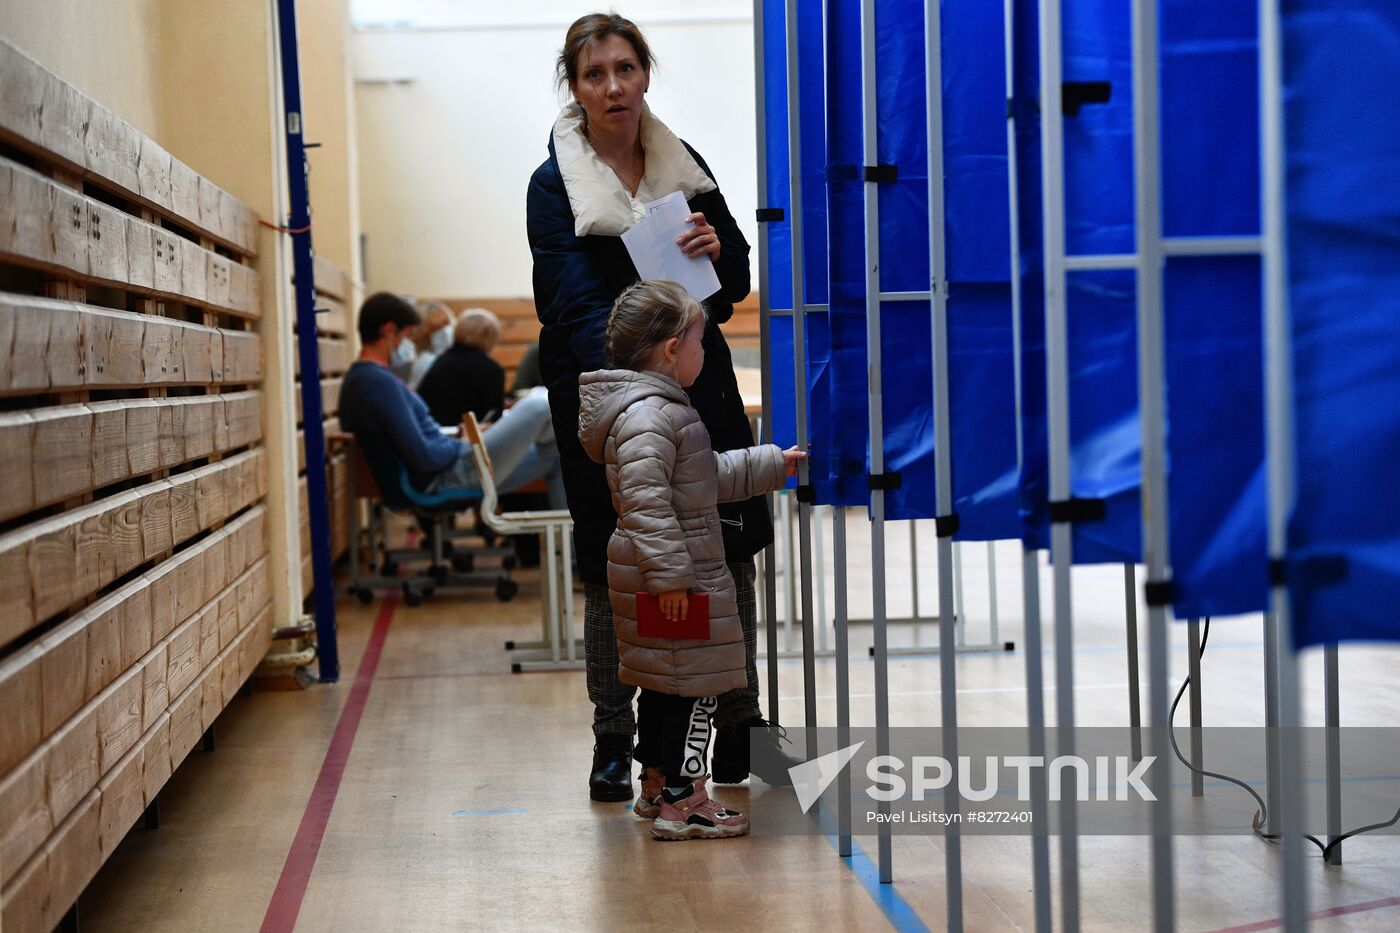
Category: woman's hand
[674,605]
[699,240]
[791,457]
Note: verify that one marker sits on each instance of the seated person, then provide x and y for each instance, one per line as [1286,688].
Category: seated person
[376,407]
[432,337]
[465,378]
[527,374]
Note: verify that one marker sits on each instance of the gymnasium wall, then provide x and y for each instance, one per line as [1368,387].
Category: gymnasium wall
[149,523]
[62,34]
[453,119]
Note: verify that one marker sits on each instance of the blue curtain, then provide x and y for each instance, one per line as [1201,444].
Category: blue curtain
[1105,435]
[1213,322]
[849,442]
[778,253]
[811,101]
[977,231]
[1342,64]
[906,327]
[1034,475]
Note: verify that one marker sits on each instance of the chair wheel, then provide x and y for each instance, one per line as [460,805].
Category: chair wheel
[411,597]
[506,590]
[464,563]
[389,568]
[364,595]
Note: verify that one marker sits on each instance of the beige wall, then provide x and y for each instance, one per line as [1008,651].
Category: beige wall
[231,132]
[201,80]
[68,36]
[446,155]
[323,34]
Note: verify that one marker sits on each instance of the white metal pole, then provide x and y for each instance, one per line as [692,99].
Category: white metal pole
[765,343]
[1134,684]
[1193,651]
[914,571]
[566,589]
[1152,405]
[1030,569]
[1272,800]
[949,585]
[1279,431]
[876,411]
[1333,713]
[843,679]
[959,607]
[799,351]
[819,578]
[994,622]
[918,629]
[789,568]
[552,612]
[1057,410]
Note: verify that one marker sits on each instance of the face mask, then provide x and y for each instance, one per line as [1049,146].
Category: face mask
[402,354]
[440,340]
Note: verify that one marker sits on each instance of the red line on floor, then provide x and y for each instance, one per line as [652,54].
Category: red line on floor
[447,675]
[282,910]
[1327,914]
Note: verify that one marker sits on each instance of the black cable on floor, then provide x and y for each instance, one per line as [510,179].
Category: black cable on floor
[1327,850]
[1260,815]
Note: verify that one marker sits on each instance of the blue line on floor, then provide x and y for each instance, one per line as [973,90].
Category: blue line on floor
[862,656]
[1211,782]
[896,909]
[489,812]
[1260,782]
[1112,649]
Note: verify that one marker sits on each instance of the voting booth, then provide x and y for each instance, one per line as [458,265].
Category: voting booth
[1110,278]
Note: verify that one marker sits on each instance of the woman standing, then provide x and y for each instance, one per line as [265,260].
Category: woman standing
[608,157]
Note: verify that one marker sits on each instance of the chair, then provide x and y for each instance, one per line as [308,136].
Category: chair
[557,649]
[434,512]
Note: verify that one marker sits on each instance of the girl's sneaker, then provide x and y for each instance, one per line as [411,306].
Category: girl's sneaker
[694,815]
[648,805]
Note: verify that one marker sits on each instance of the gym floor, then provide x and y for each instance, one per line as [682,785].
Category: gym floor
[432,789]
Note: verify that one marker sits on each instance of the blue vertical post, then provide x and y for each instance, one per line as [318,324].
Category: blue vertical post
[317,501]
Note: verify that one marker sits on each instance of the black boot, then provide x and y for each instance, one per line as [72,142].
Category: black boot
[611,779]
[731,764]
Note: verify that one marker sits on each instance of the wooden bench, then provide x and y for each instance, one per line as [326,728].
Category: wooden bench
[335,352]
[520,327]
[133,553]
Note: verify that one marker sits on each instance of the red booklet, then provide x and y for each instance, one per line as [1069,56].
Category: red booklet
[652,624]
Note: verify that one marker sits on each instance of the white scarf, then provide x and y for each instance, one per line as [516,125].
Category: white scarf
[601,205]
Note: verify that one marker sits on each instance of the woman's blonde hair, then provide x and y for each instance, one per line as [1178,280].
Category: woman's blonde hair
[646,315]
[478,328]
[432,310]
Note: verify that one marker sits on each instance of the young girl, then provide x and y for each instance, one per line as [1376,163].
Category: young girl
[635,419]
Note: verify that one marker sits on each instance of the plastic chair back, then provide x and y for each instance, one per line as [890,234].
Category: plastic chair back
[396,489]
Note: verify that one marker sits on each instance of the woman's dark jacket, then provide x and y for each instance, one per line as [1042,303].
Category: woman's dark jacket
[576,280]
[463,379]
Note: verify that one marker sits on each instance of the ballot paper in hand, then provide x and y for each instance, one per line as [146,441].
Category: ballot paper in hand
[652,245]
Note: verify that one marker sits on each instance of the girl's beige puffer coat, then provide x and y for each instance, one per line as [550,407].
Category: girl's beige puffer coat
[665,481]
